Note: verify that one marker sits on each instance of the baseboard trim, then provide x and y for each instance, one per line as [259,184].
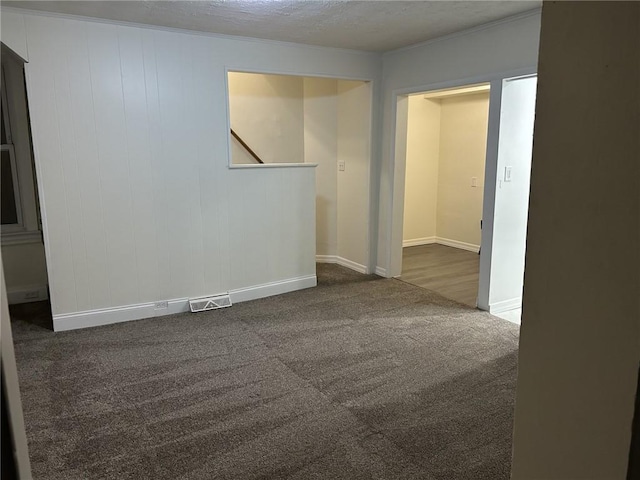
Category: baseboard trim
[108,316]
[505,305]
[272,288]
[26,294]
[326,259]
[342,261]
[381,272]
[419,241]
[456,244]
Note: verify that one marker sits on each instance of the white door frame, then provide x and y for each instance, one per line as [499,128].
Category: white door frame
[398,168]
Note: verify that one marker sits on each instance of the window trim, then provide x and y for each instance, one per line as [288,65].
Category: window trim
[15,109]
[19,225]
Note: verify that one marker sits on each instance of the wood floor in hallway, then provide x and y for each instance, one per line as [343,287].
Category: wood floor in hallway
[451,272]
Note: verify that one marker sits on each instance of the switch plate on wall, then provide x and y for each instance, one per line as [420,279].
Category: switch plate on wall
[507,174]
[474,181]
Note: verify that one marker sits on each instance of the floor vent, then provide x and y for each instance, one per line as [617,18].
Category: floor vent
[209,303]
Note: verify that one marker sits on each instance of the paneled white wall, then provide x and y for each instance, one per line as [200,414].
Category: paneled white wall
[131,143]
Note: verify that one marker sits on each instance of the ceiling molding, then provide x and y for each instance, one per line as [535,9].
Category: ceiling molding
[467,31]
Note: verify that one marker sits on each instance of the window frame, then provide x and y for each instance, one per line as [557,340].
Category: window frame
[18,226]
[28,229]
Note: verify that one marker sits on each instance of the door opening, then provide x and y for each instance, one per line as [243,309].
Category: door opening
[494,202]
[23,253]
[445,150]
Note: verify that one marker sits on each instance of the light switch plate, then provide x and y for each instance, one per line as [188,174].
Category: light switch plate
[507,174]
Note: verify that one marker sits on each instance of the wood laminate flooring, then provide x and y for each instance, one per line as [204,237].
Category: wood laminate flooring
[451,272]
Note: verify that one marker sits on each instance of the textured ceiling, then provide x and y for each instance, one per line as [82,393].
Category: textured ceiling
[362,25]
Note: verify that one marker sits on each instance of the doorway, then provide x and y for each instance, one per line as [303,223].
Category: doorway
[504,196]
[444,179]
[23,252]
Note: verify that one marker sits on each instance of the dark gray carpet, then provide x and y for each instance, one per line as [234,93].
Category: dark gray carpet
[359,378]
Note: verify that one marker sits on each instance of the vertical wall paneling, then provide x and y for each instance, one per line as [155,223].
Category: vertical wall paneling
[139,205]
[139,167]
[48,154]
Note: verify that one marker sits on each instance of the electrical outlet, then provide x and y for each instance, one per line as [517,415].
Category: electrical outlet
[341,166]
[161,305]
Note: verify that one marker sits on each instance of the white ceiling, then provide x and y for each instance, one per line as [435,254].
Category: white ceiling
[363,25]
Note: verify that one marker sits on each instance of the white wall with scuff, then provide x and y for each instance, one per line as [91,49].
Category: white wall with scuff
[479,55]
[131,144]
[267,112]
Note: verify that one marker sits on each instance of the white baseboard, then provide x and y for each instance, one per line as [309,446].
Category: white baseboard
[505,305]
[381,272]
[326,259]
[456,244]
[125,313]
[108,316]
[418,241]
[26,294]
[272,288]
[342,261]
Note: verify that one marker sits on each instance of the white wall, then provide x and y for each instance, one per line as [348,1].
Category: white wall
[421,184]
[266,111]
[131,144]
[474,56]
[321,148]
[515,144]
[354,151]
[463,144]
[580,337]
[446,145]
